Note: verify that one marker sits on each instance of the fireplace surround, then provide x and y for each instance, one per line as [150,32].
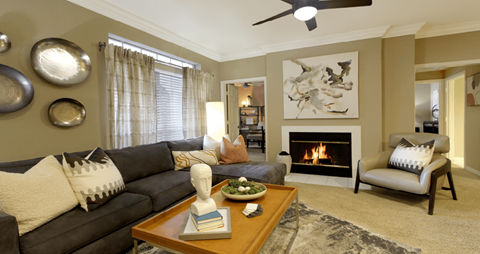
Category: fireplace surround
[309,142]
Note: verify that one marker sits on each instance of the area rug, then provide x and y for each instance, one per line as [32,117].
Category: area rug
[319,232]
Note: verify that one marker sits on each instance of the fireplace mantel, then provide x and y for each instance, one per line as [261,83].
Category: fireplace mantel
[354,130]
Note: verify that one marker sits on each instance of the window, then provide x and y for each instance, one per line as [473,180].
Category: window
[169,82]
[169,106]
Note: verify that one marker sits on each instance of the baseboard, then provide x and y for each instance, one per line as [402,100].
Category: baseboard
[469,169]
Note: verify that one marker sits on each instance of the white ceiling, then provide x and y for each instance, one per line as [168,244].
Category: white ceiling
[222,29]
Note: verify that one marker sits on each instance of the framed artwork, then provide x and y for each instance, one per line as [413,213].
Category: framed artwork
[473,90]
[321,87]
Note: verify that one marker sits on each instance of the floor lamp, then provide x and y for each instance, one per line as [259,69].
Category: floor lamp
[215,119]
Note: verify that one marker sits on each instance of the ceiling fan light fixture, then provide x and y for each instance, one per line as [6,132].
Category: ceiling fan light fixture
[305,13]
[304,10]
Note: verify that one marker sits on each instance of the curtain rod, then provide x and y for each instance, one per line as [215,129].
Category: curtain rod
[101,45]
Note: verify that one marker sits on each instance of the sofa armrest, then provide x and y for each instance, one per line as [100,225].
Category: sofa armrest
[379,160]
[9,241]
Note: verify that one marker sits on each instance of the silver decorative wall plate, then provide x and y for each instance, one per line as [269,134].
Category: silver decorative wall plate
[5,43]
[60,62]
[16,90]
[66,112]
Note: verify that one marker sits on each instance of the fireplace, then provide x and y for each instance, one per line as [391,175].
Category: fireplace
[323,150]
[321,153]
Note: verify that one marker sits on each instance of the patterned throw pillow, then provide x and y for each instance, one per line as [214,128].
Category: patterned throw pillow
[37,196]
[235,152]
[410,157]
[185,159]
[94,179]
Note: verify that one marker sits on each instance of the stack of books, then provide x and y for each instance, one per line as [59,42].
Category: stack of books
[208,221]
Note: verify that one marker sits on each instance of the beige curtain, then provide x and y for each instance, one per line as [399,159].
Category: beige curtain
[132,104]
[197,86]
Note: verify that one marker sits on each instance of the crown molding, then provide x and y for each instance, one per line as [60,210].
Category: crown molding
[444,65]
[457,28]
[396,31]
[328,39]
[109,10]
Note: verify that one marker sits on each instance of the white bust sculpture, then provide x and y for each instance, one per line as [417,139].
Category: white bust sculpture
[201,178]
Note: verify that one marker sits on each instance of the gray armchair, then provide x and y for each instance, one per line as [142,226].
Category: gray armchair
[373,170]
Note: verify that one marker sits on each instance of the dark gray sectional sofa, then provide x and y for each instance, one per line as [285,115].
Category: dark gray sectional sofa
[153,186]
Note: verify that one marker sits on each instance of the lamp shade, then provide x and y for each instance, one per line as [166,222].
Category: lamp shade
[215,119]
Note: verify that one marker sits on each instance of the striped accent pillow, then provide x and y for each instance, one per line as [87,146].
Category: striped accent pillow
[186,159]
[410,157]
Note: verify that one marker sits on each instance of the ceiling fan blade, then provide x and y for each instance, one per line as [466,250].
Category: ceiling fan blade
[311,24]
[320,5]
[285,13]
[289,1]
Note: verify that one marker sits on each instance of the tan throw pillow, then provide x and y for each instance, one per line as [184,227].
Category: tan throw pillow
[185,159]
[234,153]
[94,179]
[38,196]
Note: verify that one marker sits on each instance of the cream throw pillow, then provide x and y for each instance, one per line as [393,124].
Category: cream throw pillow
[185,159]
[211,144]
[37,196]
[94,179]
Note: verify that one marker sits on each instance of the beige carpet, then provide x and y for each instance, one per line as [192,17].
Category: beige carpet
[454,227]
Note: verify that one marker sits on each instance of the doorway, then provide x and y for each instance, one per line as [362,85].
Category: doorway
[245,108]
[455,117]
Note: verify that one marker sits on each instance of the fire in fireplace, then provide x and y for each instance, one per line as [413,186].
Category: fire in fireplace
[321,153]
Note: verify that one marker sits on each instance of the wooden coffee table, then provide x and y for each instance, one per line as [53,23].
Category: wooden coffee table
[248,234]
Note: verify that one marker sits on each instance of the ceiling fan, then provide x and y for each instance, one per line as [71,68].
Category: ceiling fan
[305,10]
[248,84]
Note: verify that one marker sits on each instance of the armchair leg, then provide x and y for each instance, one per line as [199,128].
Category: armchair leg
[433,190]
[452,187]
[357,183]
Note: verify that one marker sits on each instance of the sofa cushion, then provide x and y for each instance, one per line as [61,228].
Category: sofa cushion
[141,161]
[164,189]
[77,228]
[186,159]
[94,179]
[190,144]
[37,196]
[258,171]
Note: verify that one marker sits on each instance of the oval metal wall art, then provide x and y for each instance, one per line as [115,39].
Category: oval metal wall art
[60,62]
[66,112]
[16,90]
[5,43]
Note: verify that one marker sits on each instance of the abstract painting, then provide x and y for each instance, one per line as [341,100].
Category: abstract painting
[473,90]
[321,87]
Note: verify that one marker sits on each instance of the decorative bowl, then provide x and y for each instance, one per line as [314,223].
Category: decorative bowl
[60,62]
[66,112]
[244,197]
[16,90]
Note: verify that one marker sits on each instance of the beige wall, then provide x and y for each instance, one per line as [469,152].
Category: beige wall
[28,133]
[370,95]
[398,66]
[472,122]
[450,48]
[429,75]
[243,68]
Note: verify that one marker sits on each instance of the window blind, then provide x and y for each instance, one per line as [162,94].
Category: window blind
[169,105]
